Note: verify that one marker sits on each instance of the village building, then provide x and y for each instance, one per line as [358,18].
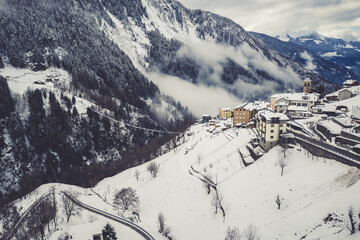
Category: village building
[270,127]
[294,104]
[206,118]
[331,97]
[225,113]
[343,94]
[244,113]
[350,83]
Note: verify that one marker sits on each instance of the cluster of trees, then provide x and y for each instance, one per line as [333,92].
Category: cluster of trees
[249,233]
[40,220]
[162,56]
[59,145]
[42,28]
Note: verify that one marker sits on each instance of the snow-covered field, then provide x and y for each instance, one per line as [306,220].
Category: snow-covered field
[310,189]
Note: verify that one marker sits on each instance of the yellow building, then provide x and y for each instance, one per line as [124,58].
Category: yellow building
[225,113]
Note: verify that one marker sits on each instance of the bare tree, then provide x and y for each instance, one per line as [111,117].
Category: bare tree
[161,221]
[284,147]
[350,223]
[359,221]
[153,168]
[278,201]
[251,233]
[216,202]
[137,174]
[282,163]
[163,229]
[126,198]
[233,234]
[69,207]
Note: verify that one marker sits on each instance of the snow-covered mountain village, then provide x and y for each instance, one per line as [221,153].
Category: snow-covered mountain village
[146,119]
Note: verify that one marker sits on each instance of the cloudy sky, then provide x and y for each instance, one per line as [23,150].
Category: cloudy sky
[335,18]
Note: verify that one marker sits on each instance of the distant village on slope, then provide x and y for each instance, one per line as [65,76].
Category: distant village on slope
[329,127]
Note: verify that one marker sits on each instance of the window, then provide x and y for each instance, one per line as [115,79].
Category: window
[304,104]
[293,103]
[298,104]
[271,137]
[272,125]
[272,131]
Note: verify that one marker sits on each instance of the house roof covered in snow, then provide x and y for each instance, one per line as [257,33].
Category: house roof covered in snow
[250,106]
[268,115]
[349,82]
[354,90]
[297,96]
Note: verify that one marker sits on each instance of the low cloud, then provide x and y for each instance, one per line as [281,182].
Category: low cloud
[211,55]
[199,98]
[309,61]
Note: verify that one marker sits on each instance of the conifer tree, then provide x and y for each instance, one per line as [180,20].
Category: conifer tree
[109,233]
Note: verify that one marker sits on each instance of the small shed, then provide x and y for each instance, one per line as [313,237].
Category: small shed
[345,94]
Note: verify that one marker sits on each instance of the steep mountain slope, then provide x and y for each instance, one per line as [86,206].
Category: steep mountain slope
[202,48]
[343,53]
[51,132]
[248,193]
[310,59]
[43,136]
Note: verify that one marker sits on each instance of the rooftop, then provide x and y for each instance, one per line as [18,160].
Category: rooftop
[257,105]
[268,115]
[350,81]
[297,96]
[354,90]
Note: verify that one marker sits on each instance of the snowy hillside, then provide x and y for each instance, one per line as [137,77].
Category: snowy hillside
[309,190]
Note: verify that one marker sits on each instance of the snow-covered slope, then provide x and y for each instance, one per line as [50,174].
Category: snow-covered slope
[310,190]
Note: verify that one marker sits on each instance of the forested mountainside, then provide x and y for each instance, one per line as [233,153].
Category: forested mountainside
[43,136]
[327,63]
[204,48]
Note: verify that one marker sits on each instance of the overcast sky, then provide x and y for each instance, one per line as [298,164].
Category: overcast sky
[334,18]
